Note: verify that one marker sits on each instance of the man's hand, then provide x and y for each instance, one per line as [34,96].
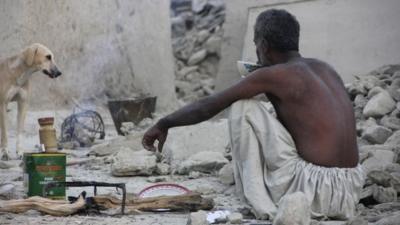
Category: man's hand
[153,134]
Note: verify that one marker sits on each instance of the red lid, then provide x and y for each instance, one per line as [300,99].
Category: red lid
[46,120]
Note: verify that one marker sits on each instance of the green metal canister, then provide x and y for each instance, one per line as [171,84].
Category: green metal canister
[42,168]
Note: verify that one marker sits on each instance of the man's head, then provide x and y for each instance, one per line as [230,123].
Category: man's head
[275,31]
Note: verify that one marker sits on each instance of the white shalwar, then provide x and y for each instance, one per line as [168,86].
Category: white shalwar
[267,167]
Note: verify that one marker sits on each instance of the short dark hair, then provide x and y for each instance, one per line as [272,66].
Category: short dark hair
[279,29]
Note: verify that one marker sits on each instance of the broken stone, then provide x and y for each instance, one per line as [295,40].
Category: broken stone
[395,181]
[130,163]
[394,140]
[206,162]
[202,36]
[394,89]
[197,57]
[226,174]
[187,70]
[380,177]
[213,44]
[357,221]
[378,160]
[294,209]
[198,218]
[364,124]
[194,174]
[235,218]
[163,169]
[360,101]
[374,91]
[382,194]
[5,165]
[7,191]
[376,134]
[391,220]
[156,179]
[379,105]
[356,88]
[390,122]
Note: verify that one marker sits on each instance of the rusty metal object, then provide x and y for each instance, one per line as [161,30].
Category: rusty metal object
[131,110]
[89,183]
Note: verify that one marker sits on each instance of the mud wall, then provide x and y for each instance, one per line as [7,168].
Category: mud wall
[105,49]
[354,36]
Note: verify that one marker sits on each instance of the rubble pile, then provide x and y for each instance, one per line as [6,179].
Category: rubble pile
[376,99]
[196,40]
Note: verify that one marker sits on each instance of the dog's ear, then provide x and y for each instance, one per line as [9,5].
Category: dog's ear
[29,54]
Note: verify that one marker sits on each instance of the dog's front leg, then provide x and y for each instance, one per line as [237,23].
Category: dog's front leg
[3,129]
[22,109]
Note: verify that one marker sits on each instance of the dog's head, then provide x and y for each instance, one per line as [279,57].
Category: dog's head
[39,57]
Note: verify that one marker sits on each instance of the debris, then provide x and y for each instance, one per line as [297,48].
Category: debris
[235,218]
[163,169]
[376,134]
[44,205]
[131,163]
[206,162]
[198,218]
[294,209]
[220,216]
[226,174]
[379,105]
[7,191]
[5,165]
[383,195]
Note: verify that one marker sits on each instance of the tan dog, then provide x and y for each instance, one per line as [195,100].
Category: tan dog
[15,73]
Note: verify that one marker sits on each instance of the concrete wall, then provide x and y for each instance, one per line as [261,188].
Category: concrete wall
[355,36]
[105,49]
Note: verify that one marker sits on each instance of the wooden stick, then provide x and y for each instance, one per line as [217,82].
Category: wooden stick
[44,205]
[192,202]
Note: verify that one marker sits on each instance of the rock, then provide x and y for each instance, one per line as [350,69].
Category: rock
[206,162]
[360,101]
[356,88]
[394,140]
[187,70]
[235,218]
[130,163]
[357,221]
[374,91]
[226,174]
[134,141]
[376,134]
[7,191]
[213,44]
[294,209]
[198,218]
[391,220]
[394,89]
[393,168]
[202,36]
[382,194]
[163,169]
[198,5]
[395,181]
[364,124]
[5,165]
[388,69]
[379,160]
[156,179]
[380,177]
[379,105]
[197,57]
[194,174]
[178,26]
[184,142]
[390,122]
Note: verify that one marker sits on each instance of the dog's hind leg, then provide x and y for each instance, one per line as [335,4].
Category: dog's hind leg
[3,129]
[22,109]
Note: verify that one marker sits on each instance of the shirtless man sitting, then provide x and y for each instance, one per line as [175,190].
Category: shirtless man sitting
[310,147]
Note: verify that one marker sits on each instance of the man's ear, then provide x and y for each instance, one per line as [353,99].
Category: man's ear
[29,54]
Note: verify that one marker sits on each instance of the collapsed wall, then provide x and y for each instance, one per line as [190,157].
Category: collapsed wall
[105,49]
[197,30]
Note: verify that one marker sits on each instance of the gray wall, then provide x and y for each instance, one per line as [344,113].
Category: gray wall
[355,36]
[103,47]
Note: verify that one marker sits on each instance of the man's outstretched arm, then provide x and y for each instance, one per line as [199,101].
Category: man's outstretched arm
[260,81]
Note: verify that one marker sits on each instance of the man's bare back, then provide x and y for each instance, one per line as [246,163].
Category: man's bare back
[318,114]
